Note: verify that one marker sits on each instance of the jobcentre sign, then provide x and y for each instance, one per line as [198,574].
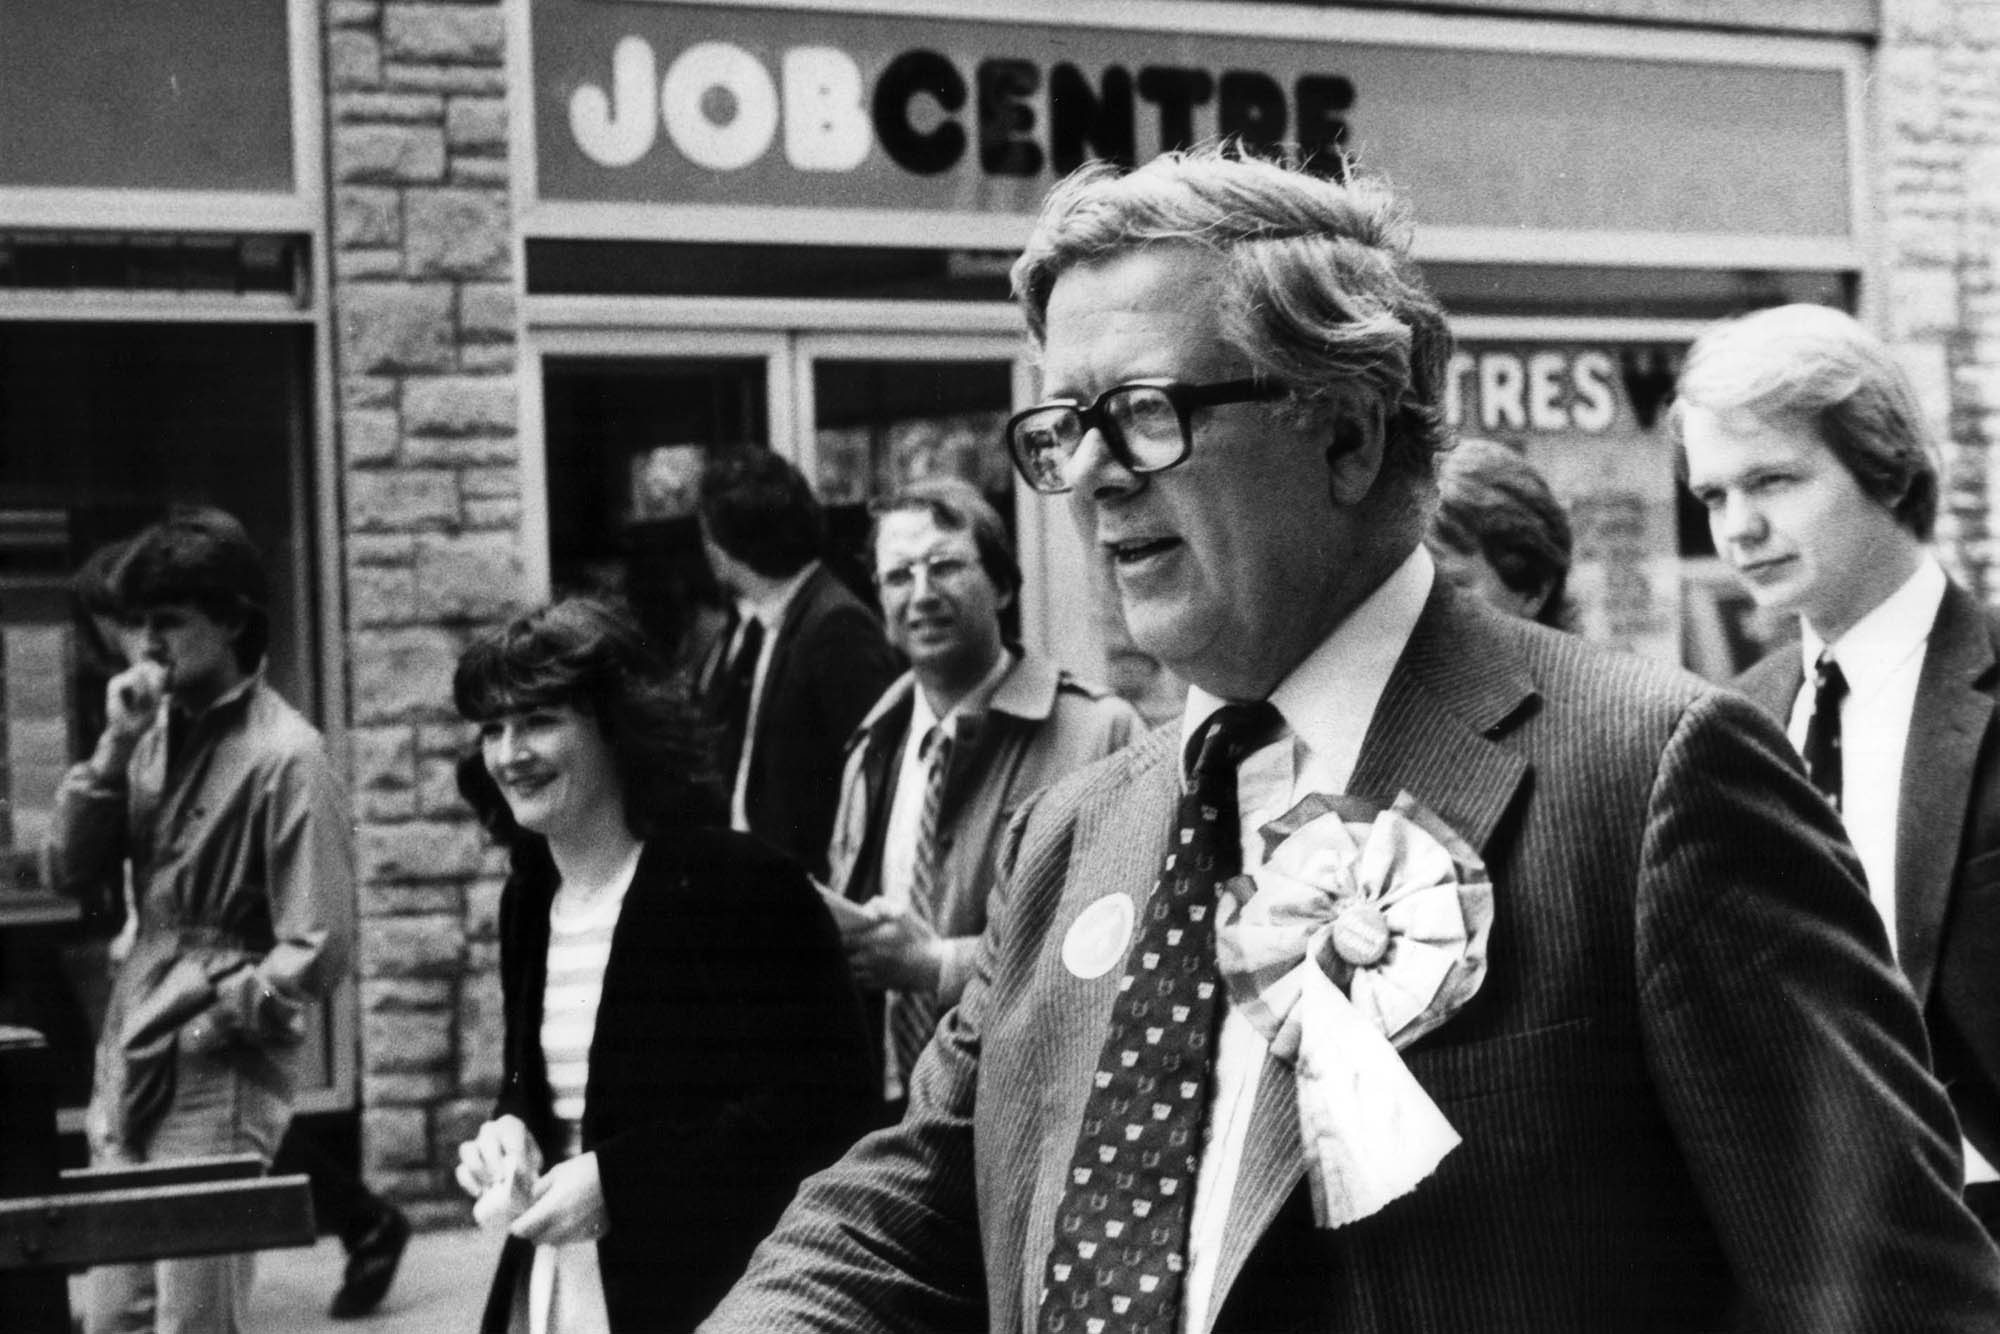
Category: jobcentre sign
[830,122]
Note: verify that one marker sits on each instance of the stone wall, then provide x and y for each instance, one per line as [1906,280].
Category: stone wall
[1937,190]
[426,327]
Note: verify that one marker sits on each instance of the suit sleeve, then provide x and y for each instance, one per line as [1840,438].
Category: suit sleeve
[1788,1051]
[888,1238]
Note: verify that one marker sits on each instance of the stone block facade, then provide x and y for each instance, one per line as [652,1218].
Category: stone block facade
[1936,295]
[425,329]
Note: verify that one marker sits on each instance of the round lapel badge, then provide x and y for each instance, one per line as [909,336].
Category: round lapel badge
[1099,936]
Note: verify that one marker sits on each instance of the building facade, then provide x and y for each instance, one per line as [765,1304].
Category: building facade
[449,300]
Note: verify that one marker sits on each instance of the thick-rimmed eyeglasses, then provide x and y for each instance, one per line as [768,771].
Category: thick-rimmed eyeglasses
[1144,424]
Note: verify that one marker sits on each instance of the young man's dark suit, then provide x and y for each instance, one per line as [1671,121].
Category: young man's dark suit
[829,665]
[1947,848]
[1691,1088]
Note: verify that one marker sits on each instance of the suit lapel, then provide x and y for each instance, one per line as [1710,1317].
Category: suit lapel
[1773,683]
[1953,709]
[1457,684]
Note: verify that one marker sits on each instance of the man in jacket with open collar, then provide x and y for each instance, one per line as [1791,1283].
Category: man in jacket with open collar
[1007,722]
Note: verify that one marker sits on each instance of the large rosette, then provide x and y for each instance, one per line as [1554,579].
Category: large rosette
[1364,929]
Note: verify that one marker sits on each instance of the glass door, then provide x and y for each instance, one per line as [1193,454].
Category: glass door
[876,412]
[628,414]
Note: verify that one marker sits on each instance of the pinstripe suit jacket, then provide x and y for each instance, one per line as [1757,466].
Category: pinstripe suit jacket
[1692,1088]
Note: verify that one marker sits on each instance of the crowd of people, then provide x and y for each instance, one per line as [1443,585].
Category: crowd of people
[1434,970]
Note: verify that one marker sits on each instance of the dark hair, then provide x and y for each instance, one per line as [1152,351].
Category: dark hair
[1492,502]
[1821,366]
[1317,286]
[589,654]
[758,508]
[958,506]
[204,557]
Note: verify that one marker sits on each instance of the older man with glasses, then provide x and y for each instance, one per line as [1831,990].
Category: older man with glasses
[1438,972]
[976,726]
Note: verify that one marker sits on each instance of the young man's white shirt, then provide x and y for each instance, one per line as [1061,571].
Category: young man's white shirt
[1882,657]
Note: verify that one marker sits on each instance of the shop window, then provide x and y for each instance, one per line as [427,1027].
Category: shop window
[627,438]
[881,424]
[101,427]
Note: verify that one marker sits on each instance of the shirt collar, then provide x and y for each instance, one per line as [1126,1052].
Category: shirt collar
[1883,640]
[771,610]
[1329,699]
[227,700]
[923,718]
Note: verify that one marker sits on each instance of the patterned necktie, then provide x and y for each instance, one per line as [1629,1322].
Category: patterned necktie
[1121,1232]
[913,1014]
[739,674]
[1822,748]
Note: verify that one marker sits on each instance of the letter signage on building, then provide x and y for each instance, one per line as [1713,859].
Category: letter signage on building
[865,119]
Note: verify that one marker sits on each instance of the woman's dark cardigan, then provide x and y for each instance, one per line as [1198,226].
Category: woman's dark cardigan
[730,1060]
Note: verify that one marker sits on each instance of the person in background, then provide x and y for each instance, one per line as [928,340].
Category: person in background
[1439,971]
[944,758]
[683,1041]
[222,797]
[1803,439]
[373,1232]
[802,659]
[1500,534]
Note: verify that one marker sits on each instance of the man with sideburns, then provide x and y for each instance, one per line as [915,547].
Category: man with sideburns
[937,768]
[1437,971]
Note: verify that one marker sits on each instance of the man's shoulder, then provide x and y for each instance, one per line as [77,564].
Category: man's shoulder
[274,729]
[1112,776]
[1569,676]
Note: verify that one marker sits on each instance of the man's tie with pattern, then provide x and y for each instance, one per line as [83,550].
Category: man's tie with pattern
[1822,748]
[912,1015]
[1120,1250]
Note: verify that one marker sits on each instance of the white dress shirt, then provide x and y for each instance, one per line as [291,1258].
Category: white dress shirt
[1327,703]
[906,809]
[770,613]
[1881,656]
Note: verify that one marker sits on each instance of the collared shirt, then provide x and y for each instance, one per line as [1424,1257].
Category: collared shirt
[1882,657]
[770,613]
[906,810]
[242,865]
[1327,703]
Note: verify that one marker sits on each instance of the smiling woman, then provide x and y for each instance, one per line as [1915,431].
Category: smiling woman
[683,1039]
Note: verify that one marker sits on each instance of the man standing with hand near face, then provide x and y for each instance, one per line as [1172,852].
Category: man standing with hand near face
[1439,972]
[941,761]
[221,795]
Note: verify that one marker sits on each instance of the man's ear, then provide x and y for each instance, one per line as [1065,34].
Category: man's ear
[1356,435]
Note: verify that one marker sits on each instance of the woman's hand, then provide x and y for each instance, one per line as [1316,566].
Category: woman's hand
[500,1145]
[568,1207]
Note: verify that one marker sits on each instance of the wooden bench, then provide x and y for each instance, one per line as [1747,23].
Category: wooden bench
[52,1221]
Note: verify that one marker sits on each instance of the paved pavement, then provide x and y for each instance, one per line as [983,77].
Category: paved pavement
[440,1289]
